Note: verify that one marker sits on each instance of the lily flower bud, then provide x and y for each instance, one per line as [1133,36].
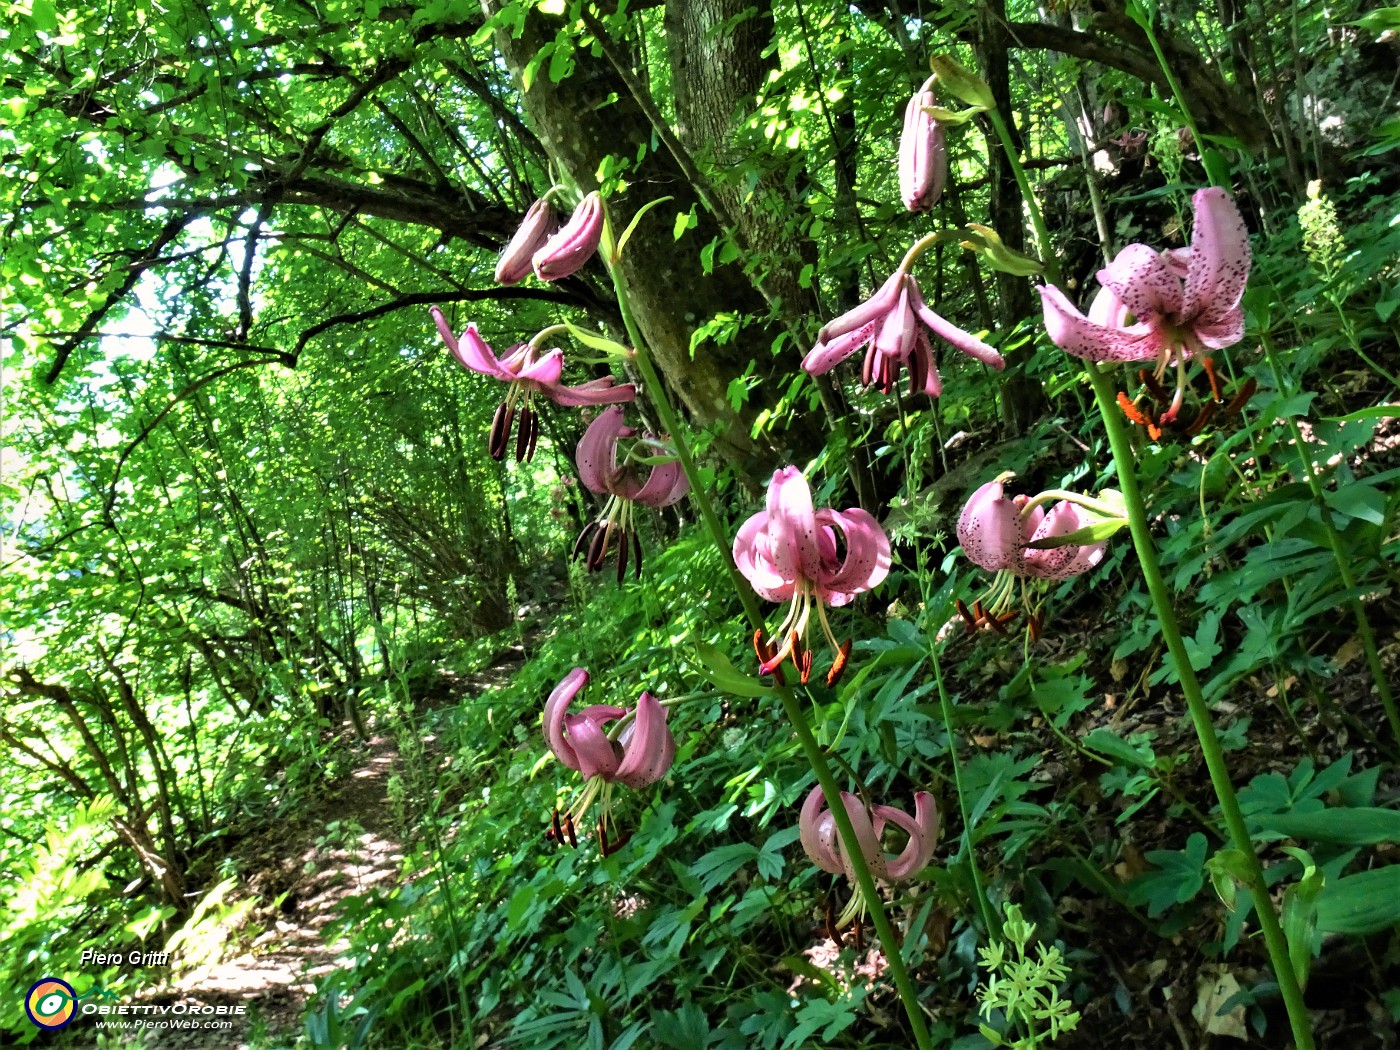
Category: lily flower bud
[569,249]
[923,153]
[514,264]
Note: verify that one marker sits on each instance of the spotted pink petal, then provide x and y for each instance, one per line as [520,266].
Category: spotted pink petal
[825,356]
[792,527]
[648,748]
[866,839]
[1220,257]
[596,454]
[665,485]
[922,829]
[1074,333]
[754,564]
[952,334]
[471,351]
[867,560]
[816,829]
[989,528]
[542,372]
[597,755]
[1145,285]
[868,312]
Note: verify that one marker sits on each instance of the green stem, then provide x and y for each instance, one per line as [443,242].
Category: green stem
[1044,246]
[1196,704]
[884,930]
[1340,556]
[1211,750]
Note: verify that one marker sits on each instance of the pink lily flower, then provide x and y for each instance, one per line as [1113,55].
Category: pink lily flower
[528,373]
[923,153]
[624,486]
[790,551]
[637,756]
[996,533]
[891,324]
[817,830]
[568,250]
[514,265]
[1185,301]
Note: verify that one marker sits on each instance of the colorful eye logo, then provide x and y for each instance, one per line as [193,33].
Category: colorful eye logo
[49,1003]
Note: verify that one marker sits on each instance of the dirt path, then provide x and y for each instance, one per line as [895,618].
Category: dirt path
[342,845]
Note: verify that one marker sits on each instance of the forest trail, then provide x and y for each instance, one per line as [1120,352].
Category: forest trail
[344,844]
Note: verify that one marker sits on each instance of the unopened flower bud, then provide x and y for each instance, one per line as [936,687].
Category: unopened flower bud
[923,153]
[514,264]
[569,249]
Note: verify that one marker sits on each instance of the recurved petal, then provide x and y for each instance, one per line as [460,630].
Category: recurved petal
[545,371]
[1144,283]
[554,709]
[792,527]
[472,352]
[666,484]
[825,356]
[1108,310]
[752,560]
[952,334]
[866,313]
[1060,563]
[597,450]
[867,560]
[816,829]
[1074,333]
[866,839]
[895,335]
[923,836]
[597,755]
[1227,331]
[1219,257]
[594,392]
[648,748]
[989,528]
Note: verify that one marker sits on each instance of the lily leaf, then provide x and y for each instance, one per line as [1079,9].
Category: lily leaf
[1095,533]
[724,676]
[622,243]
[952,117]
[599,342]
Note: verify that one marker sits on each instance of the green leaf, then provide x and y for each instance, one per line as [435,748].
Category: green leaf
[594,341]
[1360,501]
[1361,904]
[627,233]
[1357,826]
[716,669]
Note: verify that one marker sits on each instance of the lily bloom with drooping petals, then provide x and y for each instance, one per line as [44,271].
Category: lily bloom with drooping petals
[639,755]
[892,323]
[515,262]
[996,533]
[817,829]
[1184,301]
[791,551]
[529,373]
[625,486]
[568,250]
[923,153]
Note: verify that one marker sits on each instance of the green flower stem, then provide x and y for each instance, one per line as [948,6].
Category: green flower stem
[990,919]
[889,941]
[1045,247]
[1339,555]
[1211,750]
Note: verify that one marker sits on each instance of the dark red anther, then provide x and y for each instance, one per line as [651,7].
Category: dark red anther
[555,833]
[765,656]
[1242,398]
[968,618]
[622,549]
[866,375]
[569,830]
[795,653]
[534,435]
[1199,423]
[832,930]
[500,430]
[1158,392]
[805,671]
[838,665]
[602,838]
[582,539]
[859,931]
[636,554]
[618,843]
[1132,411]
[918,374]
[598,549]
[997,623]
[522,432]
[1209,365]
[1033,625]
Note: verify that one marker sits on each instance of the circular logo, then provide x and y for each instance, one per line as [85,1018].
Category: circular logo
[49,1003]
